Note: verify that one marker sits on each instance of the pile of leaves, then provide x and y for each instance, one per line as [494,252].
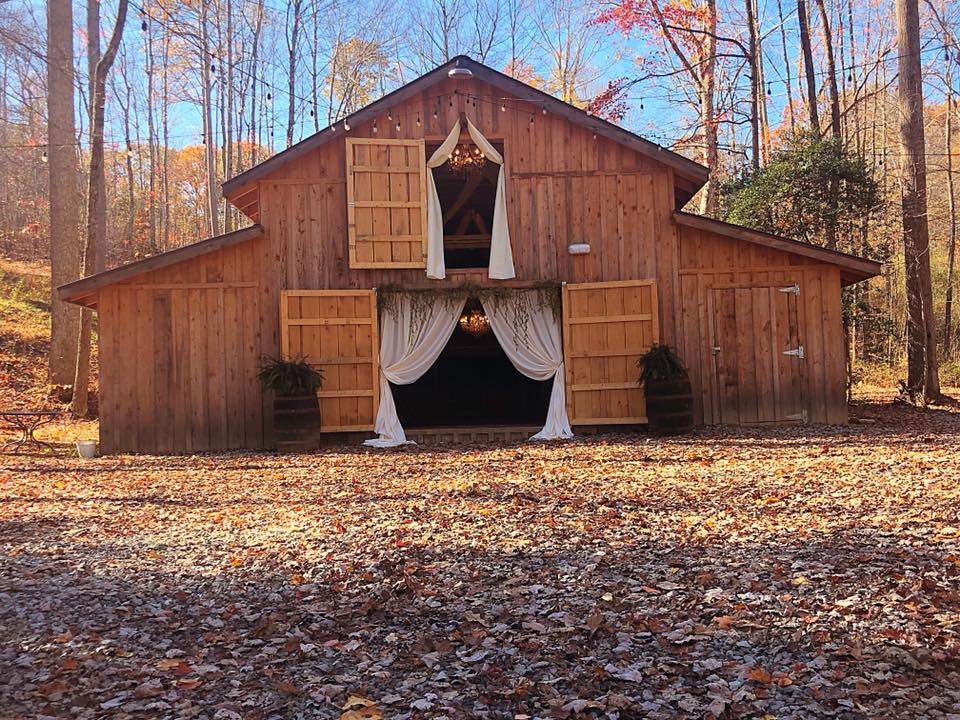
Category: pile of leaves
[793,573]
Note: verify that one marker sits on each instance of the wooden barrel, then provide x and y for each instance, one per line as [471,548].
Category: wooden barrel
[296,422]
[669,406]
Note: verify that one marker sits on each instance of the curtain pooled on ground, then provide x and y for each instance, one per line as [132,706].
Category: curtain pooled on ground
[501,253]
[412,336]
[530,337]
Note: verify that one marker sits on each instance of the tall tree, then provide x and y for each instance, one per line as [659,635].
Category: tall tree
[96,194]
[809,69]
[64,186]
[294,10]
[952,209]
[923,380]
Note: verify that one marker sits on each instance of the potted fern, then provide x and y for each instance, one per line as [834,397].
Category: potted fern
[296,409]
[666,388]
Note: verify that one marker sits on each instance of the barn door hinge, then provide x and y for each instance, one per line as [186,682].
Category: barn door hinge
[791,289]
[797,352]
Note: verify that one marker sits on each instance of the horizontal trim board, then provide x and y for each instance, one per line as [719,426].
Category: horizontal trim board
[304,181]
[294,322]
[325,293]
[387,238]
[416,265]
[385,204]
[597,319]
[345,428]
[389,169]
[576,287]
[610,421]
[607,353]
[384,141]
[761,268]
[323,394]
[186,286]
[340,361]
[605,386]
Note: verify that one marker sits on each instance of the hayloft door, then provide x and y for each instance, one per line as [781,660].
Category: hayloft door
[606,327]
[386,203]
[336,330]
[758,356]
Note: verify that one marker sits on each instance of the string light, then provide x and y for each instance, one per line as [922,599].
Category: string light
[269,99]
[531,118]
[418,119]
[398,126]
[346,125]
[503,107]
[436,112]
[375,129]
[143,26]
[544,111]
[769,91]
[44,157]
[389,116]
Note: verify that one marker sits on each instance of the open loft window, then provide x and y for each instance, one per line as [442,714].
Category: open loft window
[467,189]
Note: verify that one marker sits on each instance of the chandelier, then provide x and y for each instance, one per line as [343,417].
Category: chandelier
[466,159]
[475,322]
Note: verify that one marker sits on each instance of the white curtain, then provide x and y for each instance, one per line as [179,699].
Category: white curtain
[501,253]
[411,340]
[532,341]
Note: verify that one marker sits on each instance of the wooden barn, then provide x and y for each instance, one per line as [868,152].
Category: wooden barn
[466,252]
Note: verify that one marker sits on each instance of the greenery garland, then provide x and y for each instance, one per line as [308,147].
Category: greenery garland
[521,300]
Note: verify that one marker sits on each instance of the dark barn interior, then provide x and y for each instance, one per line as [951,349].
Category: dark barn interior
[472,383]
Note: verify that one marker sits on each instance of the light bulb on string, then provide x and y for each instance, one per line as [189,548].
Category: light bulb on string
[398,126]
[143,26]
[544,111]
[346,125]
[641,103]
[389,116]
[418,119]
[375,129]
[436,113]
[44,157]
[503,107]
[269,99]
[531,118]
[769,91]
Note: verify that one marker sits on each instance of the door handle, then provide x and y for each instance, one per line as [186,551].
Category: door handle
[716,350]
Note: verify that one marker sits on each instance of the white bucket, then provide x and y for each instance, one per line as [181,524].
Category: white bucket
[87,449]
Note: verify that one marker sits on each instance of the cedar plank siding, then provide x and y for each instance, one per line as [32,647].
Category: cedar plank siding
[179,349]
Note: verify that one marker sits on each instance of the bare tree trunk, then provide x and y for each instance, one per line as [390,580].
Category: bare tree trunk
[952,207]
[835,126]
[786,65]
[295,7]
[165,152]
[709,198]
[809,69]
[128,154]
[754,86]
[93,57]
[95,195]
[228,132]
[209,136]
[254,138]
[923,381]
[64,186]
[151,141]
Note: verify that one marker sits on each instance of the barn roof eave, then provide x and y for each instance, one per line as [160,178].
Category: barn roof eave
[85,291]
[693,172]
[853,268]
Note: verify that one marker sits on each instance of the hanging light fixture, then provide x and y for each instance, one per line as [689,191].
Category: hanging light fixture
[466,159]
[475,322]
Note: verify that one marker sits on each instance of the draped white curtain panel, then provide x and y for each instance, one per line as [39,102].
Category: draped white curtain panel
[406,353]
[535,351]
[501,253]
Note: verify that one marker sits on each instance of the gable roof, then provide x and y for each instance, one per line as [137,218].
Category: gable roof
[84,291]
[692,174]
[853,268]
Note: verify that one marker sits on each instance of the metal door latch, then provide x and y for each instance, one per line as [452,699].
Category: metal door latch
[716,350]
[798,352]
[791,289]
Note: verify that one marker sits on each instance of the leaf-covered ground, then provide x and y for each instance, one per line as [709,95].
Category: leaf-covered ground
[799,573]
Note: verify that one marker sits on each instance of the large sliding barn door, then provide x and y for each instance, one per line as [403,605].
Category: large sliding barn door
[336,330]
[606,327]
[386,203]
[758,357]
